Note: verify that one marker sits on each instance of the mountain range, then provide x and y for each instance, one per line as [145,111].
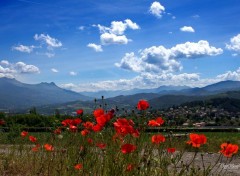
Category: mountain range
[48,96]
[18,95]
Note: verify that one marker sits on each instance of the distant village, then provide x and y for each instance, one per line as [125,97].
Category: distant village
[200,116]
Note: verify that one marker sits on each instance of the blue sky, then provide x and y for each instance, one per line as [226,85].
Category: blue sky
[110,45]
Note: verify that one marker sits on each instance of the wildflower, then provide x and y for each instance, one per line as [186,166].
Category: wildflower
[48,147]
[156,139]
[101,145]
[57,131]
[24,133]
[130,167]
[84,132]
[171,150]
[88,125]
[196,140]
[79,112]
[157,122]
[90,141]
[66,122]
[36,148]
[228,149]
[123,127]
[73,128]
[33,139]
[2,122]
[78,166]
[98,112]
[76,121]
[97,128]
[128,148]
[142,105]
[102,120]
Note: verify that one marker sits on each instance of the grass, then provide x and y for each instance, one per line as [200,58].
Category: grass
[73,148]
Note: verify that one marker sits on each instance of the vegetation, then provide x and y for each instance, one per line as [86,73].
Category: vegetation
[110,143]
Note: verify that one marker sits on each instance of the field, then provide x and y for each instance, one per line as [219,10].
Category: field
[110,145]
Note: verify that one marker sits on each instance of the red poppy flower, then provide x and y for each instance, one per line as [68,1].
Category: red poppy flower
[158,138]
[79,112]
[2,122]
[66,122]
[36,148]
[88,125]
[157,122]
[171,150]
[142,105]
[123,127]
[32,139]
[76,121]
[97,128]
[78,166]
[102,120]
[130,167]
[48,147]
[98,112]
[228,149]
[57,131]
[90,141]
[101,145]
[73,128]
[128,148]
[24,133]
[196,140]
[84,132]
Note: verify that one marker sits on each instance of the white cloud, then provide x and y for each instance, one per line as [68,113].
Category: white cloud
[115,33]
[81,28]
[187,29]
[151,80]
[49,41]
[196,16]
[22,48]
[24,68]
[131,24]
[160,59]
[118,27]
[141,81]
[4,62]
[230,75]
[13,70]
[108,38]
[97,48]
[234,43]
[194,50]
[72,73]
[49,55]
[157,9]
[54,70]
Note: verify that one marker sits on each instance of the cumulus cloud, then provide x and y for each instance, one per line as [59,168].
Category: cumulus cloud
[187,29]
[72,73]
[54,70]
[97,48]
[24,68]
[230,75]
[160,59]
[115,33]
[157,9]
[49,41]
[23,48]
[234,43]
[145,80]
[12,70]
[108,38]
